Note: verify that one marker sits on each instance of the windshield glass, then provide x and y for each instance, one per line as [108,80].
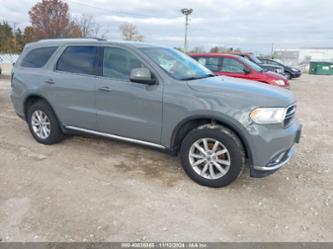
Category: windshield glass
[255,59]
[177,64]
[253,65]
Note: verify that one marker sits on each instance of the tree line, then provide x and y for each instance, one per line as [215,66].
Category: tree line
[52,19]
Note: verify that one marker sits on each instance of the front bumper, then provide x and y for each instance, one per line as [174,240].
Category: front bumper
[273,147]
[262,171]
[296,74]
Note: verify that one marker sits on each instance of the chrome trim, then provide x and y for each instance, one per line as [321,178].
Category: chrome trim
[265,168]
[132,140]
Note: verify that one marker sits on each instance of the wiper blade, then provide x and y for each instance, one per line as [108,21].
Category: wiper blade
[200,77]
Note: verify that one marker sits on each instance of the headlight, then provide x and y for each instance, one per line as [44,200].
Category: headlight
[295,69]
[268,115]
[279,82]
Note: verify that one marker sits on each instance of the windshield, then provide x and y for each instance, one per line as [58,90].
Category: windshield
[255,59]
[253,65]
[177,64]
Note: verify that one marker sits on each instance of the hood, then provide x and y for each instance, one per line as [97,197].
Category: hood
[257,93]
[294,69]
[270,66]
[274,75]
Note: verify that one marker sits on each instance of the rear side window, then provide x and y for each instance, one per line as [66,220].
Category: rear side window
[38,57]
[78,59]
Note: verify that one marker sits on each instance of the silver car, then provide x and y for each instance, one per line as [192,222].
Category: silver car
[155,96]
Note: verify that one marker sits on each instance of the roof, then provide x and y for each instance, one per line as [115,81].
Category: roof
[62,41]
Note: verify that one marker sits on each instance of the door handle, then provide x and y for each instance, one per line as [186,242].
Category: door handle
[105,89]
[50,81]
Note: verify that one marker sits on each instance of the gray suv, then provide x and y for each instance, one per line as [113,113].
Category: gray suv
[155,96]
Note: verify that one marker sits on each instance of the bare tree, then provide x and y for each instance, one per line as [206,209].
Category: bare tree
[216,49]
[130,33]
[90,28]
[199,49]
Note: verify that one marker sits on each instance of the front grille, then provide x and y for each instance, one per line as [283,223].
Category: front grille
[290,115]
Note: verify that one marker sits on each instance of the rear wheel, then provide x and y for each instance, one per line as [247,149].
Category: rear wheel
[43,123]
[212,156]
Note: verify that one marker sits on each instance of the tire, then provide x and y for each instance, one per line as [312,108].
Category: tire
[288,76]
[234,156]
[43,109]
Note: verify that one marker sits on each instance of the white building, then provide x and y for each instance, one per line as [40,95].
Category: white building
[304,55]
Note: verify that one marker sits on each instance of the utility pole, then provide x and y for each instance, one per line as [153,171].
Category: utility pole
[14,29]
[186,12]
[272,51]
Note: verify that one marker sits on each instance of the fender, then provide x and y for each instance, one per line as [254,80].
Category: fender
[236,128]
[44,99]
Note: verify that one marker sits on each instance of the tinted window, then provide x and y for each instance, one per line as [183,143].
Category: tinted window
[38,57]
[118,63]
[232,66]
[212,63]
[78,59]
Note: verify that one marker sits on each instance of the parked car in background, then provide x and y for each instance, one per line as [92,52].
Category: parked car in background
[239,67]
[159,97]
[255,59]
[290,72]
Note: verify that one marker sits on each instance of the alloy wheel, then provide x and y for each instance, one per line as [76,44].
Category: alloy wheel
[40,124]
[209,158]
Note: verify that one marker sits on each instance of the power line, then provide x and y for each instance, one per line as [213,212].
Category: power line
[123,13]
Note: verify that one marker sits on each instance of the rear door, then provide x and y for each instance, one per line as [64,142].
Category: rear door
[71,86]
[125,108]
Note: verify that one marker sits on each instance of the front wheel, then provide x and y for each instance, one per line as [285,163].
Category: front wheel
[288,76]
[212,156]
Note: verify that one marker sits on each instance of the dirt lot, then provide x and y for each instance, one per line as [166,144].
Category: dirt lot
[93,189]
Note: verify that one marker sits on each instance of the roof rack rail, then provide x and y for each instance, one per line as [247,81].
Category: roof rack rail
[73,38]
[97,38]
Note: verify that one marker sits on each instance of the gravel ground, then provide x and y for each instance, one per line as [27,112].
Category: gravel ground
[94,189]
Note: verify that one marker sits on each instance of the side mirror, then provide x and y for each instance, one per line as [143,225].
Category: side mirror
[142,75]
[246,70]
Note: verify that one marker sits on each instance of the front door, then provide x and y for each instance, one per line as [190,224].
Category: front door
[125,108]
[234,68]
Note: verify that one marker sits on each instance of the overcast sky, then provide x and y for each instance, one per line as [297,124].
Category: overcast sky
[247,24]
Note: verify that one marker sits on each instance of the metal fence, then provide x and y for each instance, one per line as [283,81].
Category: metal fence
[8,58]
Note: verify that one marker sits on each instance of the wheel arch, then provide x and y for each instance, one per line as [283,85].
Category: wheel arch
[33,98]
[192,122]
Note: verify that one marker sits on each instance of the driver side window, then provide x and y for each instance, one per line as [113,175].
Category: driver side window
[231,65]
[118,63]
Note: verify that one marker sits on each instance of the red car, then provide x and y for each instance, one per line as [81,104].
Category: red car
[239,67]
